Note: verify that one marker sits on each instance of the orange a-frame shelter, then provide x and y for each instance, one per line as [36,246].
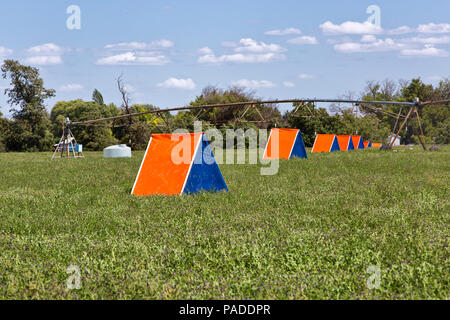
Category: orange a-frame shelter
[285,144]
[367,144]
[326,143]
[376,145]
[176,164]
[358,142]
[345,143]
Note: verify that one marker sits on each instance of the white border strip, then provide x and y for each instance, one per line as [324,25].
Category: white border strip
[292,149]
[312,150]
[267,144]
[192,162]
[334,139]
[143,159]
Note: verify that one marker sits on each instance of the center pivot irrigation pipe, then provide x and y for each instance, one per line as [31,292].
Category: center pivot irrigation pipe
[413,105]
[245,103]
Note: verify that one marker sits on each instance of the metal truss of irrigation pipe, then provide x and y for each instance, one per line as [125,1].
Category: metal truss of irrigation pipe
[237,104]
[363,103]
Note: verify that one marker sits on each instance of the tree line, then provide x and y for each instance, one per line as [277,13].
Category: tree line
[32,128]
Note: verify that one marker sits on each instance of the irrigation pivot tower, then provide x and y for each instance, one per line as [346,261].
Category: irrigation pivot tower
[67,146]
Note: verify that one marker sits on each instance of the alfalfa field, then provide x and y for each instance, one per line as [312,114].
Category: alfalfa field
[365,224]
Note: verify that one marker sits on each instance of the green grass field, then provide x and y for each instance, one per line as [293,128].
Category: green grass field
[309,232]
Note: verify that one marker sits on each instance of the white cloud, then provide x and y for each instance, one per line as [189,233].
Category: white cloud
[350,27]
[253,46]
[401,30]
[137,53]
[71,87]
[253,84]
[306,76]
[248,51]
[434,28]
[349,47]
[339,40]
[5,51]
[187,84]
[45,54]
[43,60]
[288,84]
[377,46]
[135,58]
[241,58]
[423,28]
[428,40]
[284,32]
[205,51]
[49,49]
[303,40]
[427,51]
[128,46]
[408,47]
[368,38]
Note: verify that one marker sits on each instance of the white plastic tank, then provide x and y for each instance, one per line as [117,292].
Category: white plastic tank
[118,151]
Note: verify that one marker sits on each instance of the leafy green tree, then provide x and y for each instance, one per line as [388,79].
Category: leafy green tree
[417,89]
[372,128]
[93,137]
[97,97]
[4,125]
[436,118]
[440,134]
[30,128]
[443,91]
[311,120]
[215,95]
[138,132]
[386,90]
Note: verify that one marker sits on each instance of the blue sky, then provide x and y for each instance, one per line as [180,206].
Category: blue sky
[168,50]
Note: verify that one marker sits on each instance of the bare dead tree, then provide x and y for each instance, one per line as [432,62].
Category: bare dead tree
[389,89]
[372,88]
[125,104]
[341,108]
